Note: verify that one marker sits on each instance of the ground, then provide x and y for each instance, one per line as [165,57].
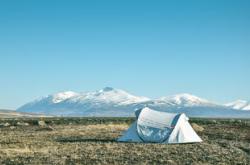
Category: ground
[93,141]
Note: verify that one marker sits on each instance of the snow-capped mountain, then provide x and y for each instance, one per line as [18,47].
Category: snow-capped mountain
[107,101]
[115,102]
[186,100]
[108,95]
[239,104]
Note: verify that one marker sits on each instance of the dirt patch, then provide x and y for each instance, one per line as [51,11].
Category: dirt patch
[197,127]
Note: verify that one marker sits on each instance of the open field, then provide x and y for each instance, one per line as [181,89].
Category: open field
[93,141]
[4,113]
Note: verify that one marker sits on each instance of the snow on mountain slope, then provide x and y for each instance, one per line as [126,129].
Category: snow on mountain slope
[239,104]
[82,103]
[59,97]
[109,95]
[246,107]
[116,102]
[185,100]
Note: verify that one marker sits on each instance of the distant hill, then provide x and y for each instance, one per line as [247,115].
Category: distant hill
[239,104]
[115,102]
[14,114]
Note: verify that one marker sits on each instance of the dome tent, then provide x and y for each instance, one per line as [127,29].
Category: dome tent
[160,127]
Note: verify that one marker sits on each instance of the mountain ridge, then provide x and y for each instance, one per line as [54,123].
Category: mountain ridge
[239,104]
[116,102]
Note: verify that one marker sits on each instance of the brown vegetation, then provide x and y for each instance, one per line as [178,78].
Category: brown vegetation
[93,141]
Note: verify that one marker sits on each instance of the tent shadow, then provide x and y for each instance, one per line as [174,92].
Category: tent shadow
[97,140]
[82,139]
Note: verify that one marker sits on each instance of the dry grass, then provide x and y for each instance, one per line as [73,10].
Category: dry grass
[225,142]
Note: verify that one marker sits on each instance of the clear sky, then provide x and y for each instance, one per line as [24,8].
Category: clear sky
[149,48]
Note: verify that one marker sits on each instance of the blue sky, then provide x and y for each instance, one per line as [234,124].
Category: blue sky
[150,48]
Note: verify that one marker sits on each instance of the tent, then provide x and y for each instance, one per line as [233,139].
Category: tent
[160,127]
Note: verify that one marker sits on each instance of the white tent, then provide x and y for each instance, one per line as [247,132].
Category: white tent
[160,127]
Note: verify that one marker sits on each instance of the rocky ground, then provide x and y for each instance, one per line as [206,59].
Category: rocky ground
[93,141]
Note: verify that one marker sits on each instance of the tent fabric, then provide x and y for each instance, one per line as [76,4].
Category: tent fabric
[154,126]
[160,127]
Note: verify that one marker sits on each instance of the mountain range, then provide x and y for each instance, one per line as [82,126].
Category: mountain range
[116,102]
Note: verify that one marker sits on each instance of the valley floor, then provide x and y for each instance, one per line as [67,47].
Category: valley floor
[93,141]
